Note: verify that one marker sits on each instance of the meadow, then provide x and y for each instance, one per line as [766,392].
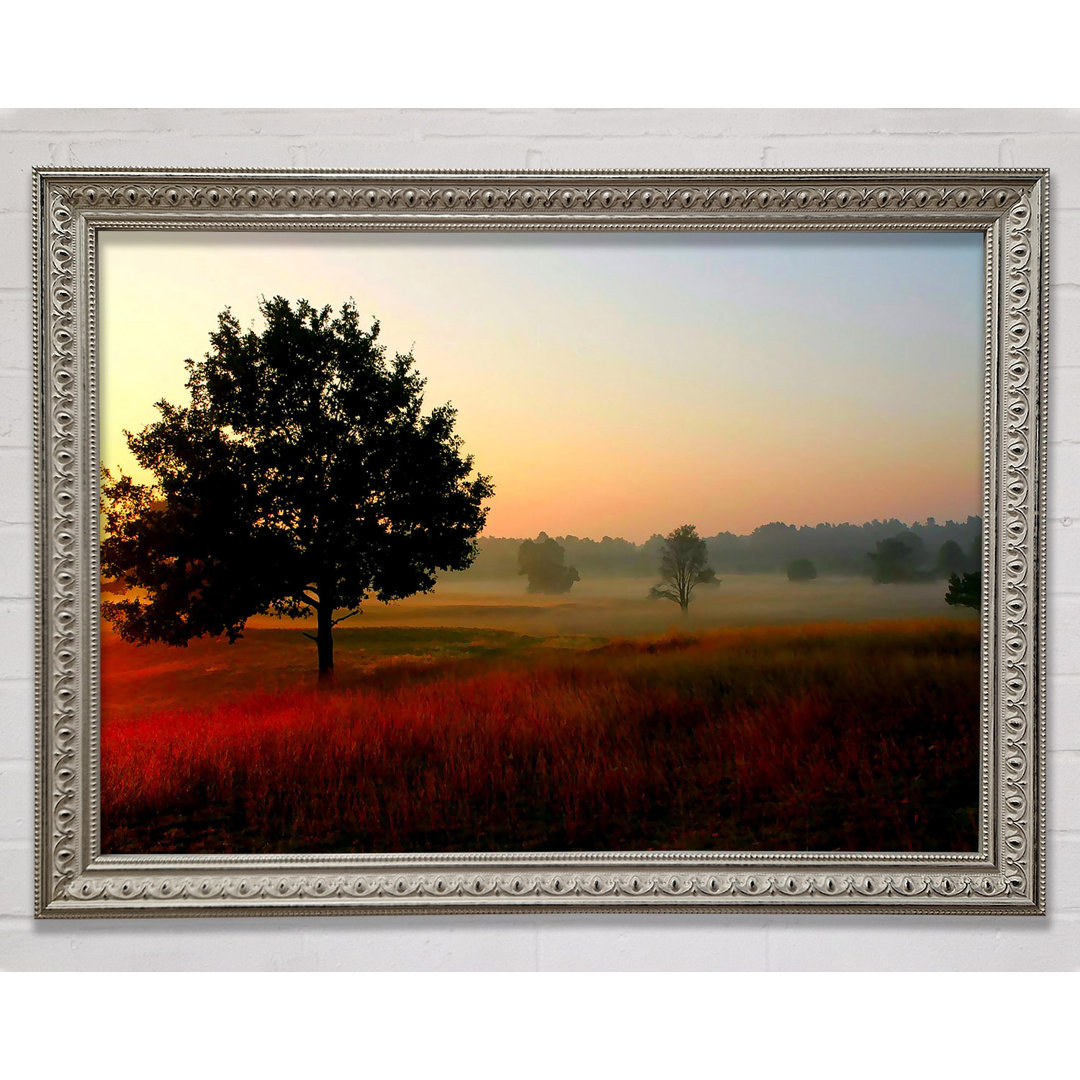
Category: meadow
[834,715]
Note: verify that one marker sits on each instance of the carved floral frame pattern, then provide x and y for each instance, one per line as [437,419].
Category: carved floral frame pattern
[1007,873]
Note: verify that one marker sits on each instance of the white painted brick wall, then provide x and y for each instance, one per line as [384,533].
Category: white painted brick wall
[538,139]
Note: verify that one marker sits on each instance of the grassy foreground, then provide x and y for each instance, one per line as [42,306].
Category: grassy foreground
[827,737]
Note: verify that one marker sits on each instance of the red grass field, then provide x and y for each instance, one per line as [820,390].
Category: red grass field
[827,737]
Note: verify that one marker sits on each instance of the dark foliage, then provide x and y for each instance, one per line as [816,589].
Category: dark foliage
[965,590]
[684,564]
[950,560]
[544,562]
[897,558]
[833,549]
[801,570]
[303,475]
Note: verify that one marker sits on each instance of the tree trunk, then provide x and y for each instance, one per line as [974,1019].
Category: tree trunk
[324,640]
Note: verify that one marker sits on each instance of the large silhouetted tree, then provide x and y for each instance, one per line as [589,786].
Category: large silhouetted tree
[544,561]
[684,564]
[303,476]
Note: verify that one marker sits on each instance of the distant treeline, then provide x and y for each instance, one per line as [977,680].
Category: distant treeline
[833,549]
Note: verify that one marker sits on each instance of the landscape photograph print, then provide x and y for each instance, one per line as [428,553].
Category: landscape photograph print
[555,541]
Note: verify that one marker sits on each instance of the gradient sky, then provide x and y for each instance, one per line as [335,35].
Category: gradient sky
[618,383]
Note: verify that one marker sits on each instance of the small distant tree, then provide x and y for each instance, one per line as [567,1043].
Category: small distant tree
[543,560]
[801,570]
[965,590]
[684,564]
[895,558]
[950,560]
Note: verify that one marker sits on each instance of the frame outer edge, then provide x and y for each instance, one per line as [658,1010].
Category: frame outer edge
[40,719]
[283,887]
[1042,504]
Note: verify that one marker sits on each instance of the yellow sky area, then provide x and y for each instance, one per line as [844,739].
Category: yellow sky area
[610,387]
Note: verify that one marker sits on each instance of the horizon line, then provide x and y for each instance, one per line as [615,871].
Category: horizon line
[923,523]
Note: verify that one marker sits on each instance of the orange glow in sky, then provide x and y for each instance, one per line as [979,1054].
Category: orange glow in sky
[617,383]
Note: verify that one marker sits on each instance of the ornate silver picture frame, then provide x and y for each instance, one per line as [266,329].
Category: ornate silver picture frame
[1005,875]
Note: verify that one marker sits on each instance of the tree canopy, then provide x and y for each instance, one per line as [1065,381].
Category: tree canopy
[801,570]
[833,549]
[897,558]
[950,560]
[544,562]
[965,590]
[684,564]
[303,475]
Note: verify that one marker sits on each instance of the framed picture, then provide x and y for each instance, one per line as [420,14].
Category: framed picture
[535,541]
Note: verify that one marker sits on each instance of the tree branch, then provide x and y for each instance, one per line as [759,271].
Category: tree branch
[312,636]
[334,622]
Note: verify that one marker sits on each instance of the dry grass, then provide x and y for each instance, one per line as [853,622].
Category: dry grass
[824,737]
